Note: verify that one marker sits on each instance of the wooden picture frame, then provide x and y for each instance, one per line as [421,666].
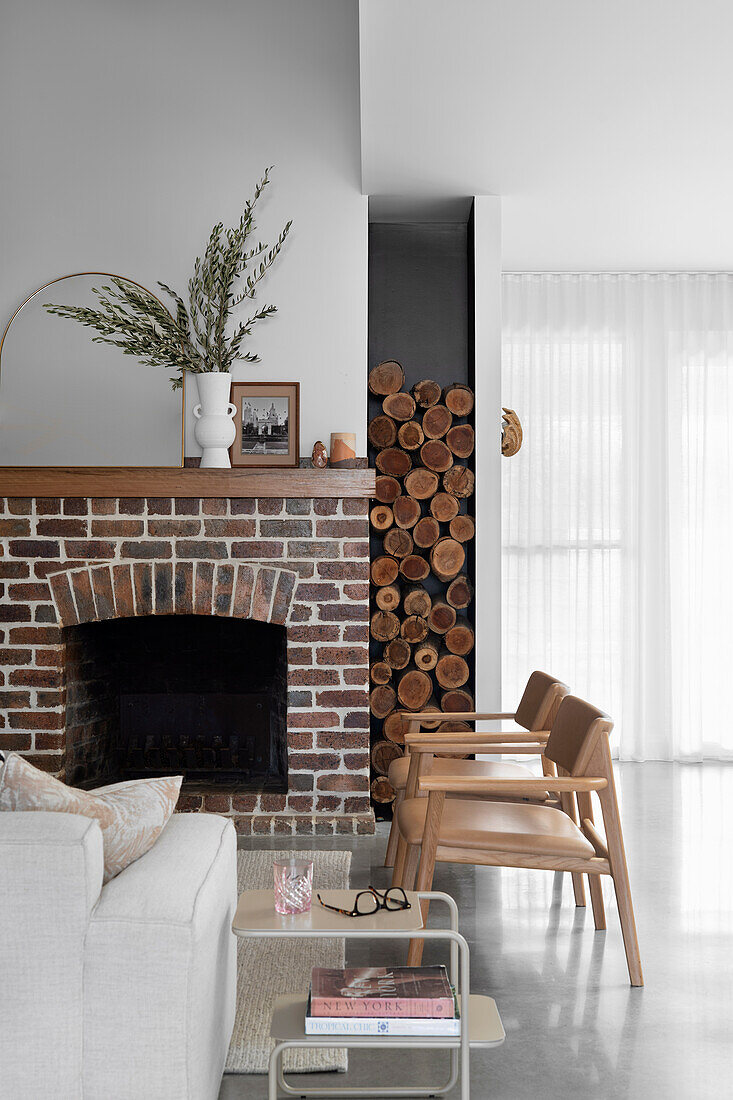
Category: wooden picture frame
[267,421]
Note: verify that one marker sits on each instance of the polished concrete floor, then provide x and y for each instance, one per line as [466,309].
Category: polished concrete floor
[574,1026]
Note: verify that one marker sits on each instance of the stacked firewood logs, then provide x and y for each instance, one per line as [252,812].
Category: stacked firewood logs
[421,634]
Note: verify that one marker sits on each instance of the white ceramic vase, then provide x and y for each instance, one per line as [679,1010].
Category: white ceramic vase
[214,429]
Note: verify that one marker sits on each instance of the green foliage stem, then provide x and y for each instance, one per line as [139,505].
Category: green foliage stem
[199,337]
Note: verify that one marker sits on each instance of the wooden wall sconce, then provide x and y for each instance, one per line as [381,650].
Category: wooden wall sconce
[511,433]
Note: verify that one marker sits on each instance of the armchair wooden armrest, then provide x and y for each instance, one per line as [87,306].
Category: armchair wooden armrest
[461,785]
[458,743]
[474,737]
[455,716]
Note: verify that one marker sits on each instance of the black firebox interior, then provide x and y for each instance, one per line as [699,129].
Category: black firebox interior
[201,696]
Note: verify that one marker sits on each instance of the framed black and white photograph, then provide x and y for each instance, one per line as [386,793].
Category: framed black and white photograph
[267,423]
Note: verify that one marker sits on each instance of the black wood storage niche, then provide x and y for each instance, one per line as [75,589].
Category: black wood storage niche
[421,315]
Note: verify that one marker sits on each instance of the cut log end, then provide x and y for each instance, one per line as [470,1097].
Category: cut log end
[436,456]
[384,626]
[421,484]
[388,489]
[380,672]
[397,654]
[394,461]
[414,568]
[382,432]
[427,393]
[426,532]
[462,528]
[410,435]
[460,440]
[381,517]
[414,629]
[387,377]
[387,598]
[384,571]
[394,728]
[414,689]
[459,399]
[382,700]
[436,421]
[451,671]
[459,592]
[460,638]
[383,754]
[444,507]
[457,700]
[417,601]
[447,558]
[442,617]
[426,655]
[459,481]
[398,542]
[400,406]
[382,790]
[406,512]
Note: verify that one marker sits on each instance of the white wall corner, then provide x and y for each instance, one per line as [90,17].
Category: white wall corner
[487,336]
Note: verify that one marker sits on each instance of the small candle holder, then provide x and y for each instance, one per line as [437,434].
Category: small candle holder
[293,885]
[343,450]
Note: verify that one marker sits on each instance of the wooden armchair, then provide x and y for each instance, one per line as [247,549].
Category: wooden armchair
[535,712]
[447,829]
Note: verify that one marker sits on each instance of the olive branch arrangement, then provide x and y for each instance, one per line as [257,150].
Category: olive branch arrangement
[199,338]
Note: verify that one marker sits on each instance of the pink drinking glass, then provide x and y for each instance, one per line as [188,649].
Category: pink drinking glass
[293,885]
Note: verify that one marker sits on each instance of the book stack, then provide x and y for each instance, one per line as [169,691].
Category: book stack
[381,1000]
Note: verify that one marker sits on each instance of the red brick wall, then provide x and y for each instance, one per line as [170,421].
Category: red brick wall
[137,556]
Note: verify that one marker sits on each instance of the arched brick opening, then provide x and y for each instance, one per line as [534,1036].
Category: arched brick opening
[244,591]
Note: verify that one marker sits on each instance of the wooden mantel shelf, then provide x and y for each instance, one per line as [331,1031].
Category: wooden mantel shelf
[153,481]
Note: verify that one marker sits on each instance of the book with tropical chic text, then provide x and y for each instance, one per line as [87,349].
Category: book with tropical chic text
[378,1025]
[416,992]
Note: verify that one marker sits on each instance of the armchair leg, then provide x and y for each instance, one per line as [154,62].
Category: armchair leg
[628,928]
[567,801]
[578,888]
[619,868]
[411,865]
[596,900]
[424,882]
[428,850]
[398,871]
[394,834]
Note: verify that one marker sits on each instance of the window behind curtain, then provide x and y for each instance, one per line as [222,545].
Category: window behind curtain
[617,511]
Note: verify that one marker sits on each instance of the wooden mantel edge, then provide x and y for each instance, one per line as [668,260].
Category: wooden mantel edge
[152,481]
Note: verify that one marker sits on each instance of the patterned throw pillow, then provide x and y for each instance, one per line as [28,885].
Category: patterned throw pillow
[132,815]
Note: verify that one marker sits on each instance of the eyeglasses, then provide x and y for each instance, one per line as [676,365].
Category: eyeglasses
[368,902]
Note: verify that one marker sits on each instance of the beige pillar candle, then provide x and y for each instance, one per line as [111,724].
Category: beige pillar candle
[343,450]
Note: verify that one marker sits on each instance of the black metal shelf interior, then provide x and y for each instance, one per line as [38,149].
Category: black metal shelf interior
[421,314]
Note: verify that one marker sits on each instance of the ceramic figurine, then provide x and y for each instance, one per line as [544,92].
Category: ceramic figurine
[319,456]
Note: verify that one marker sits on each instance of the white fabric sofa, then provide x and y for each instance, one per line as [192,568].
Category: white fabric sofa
[125,992]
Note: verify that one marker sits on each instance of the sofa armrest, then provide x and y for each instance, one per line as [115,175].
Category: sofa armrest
[161,967]
[51,868]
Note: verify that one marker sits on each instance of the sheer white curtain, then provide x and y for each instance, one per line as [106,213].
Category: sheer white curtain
[618,510]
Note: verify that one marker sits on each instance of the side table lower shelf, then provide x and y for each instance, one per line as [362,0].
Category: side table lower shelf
[485,1028]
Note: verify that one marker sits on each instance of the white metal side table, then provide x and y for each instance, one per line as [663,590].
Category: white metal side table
[481,1024]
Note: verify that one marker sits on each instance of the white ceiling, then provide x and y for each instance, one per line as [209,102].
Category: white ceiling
[605,125]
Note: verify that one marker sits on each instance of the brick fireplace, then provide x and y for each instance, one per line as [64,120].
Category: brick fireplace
[297,563]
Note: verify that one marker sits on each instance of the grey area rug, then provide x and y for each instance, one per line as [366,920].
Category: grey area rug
[267,968]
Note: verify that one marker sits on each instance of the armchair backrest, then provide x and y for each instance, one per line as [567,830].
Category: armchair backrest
[540,701]
[575,734]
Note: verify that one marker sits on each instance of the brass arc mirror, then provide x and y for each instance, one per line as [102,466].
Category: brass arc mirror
[68,401]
